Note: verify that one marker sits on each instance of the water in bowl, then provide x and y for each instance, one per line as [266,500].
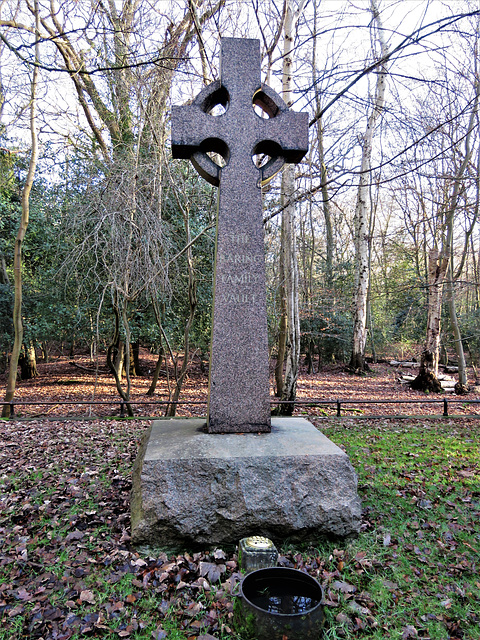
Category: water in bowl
[284,603]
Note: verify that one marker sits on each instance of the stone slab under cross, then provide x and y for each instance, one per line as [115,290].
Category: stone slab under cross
[239,399]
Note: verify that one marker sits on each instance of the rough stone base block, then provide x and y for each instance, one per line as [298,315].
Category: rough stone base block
[194,488]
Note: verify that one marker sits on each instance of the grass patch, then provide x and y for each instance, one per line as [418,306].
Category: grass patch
[415,565]
[67,569]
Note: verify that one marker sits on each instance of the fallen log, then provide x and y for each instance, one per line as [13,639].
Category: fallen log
[405,365]
[406,379]
[89,369]
[450,369]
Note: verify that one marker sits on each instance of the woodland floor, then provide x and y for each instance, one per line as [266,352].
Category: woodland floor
[68,570]
[71,380]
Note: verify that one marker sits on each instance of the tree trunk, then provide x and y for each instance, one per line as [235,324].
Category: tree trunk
[291,294]
[362,214]
[126,328]
[4,279]
[427,377]
[17,264]
[461,386]
[156,373]
[192,300]
[282,336]
[120,359]
[310,354]
[370,330]
[118,346]
[28,363]
[323,168]
[288,254]
[135,360]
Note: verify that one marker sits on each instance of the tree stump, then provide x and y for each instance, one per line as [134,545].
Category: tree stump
[426,381]
[461,389]
[28,363]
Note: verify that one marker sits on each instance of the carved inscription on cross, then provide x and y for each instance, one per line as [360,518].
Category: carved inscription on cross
[239,378]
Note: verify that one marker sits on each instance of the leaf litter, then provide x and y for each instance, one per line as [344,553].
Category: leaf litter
[64,379]
[68,570]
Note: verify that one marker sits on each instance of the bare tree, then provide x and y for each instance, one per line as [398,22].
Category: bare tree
[289,333]
[439,266]
[362,220]
[123,93]
[22,229]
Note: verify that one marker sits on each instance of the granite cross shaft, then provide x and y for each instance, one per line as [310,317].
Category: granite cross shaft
[239,399]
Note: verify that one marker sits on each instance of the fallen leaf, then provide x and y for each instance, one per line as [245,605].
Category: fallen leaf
[342,618]
[16,611]
[74,535]
[211,571]
[139,562]
[194,608]
[87,596]
[424,504]
[344,587]
[409,632]
[390,585]
[357,608]
[201,582]
[198,624]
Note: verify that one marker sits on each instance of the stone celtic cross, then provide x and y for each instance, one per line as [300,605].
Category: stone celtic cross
[239,398]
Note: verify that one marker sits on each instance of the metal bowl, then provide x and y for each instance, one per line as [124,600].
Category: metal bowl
[281,604]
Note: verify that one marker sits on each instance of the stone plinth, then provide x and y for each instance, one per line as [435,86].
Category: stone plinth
[195,488]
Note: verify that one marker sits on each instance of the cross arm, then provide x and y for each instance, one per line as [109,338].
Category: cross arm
[291,132]
[188,125]
[285,128]
[194,132]
[192,124]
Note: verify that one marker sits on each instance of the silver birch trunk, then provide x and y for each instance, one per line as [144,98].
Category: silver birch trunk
[362,213]
[288,254]
[323,168]
[462,384]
